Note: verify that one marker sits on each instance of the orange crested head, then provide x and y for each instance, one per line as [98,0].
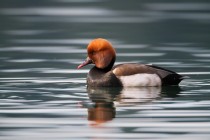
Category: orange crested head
[101,53]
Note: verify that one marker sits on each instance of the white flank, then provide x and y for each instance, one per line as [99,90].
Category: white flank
[140,80]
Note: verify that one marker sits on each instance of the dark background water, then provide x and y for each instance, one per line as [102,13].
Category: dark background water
[44,96]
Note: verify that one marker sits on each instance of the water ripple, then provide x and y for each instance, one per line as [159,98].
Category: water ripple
[45,70]
[52,41]
[42,80]
[183,6]
[141,54]
[46,11]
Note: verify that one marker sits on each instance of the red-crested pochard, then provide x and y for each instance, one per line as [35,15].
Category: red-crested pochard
[102,54]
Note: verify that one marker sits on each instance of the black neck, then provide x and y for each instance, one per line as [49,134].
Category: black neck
[109,67]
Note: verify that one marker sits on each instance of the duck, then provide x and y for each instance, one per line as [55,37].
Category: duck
[101,53]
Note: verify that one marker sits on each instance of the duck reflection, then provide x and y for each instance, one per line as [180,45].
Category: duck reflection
[103,109]
[105,100]
[171,91]
[138,95]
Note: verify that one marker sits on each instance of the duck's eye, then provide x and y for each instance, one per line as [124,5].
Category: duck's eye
[93,53]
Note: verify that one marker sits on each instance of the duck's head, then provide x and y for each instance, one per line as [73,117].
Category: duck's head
[101,53]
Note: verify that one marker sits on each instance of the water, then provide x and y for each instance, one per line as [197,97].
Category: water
[44,96]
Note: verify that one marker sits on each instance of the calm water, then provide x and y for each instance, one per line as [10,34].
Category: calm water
[43,96]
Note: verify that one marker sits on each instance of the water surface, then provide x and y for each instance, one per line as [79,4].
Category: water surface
[44,96]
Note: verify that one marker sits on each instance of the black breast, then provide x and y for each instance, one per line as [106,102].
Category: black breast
[102,78]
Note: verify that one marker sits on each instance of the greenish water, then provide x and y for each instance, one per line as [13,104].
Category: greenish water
[44,96]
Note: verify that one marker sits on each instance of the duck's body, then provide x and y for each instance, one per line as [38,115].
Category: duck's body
[132,75]
[102,54]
